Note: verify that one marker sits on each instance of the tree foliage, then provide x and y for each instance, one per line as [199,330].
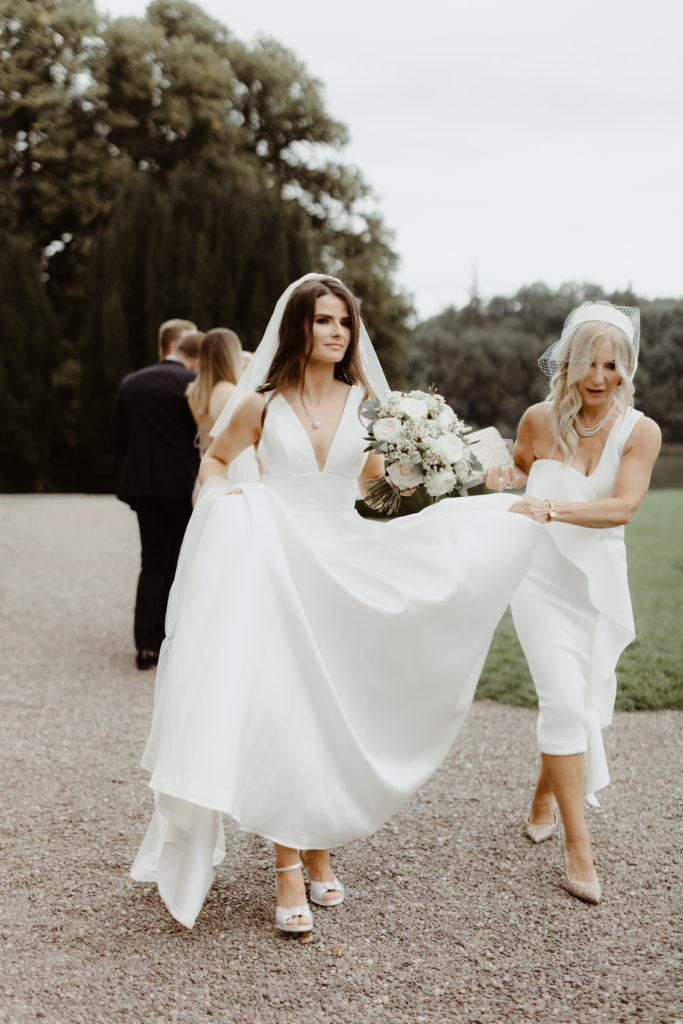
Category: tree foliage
[158,166]
[194,250]
[483,357]
[27,353]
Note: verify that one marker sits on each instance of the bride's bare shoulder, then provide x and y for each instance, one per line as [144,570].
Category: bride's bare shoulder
[253,404]
[249,412]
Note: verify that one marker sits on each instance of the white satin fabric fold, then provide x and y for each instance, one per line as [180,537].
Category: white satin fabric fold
[573,612]
[318,666]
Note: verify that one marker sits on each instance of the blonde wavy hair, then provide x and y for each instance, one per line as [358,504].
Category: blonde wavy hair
[564,398]
[220,358]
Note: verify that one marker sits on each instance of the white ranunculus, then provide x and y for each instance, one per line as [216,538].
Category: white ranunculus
[387,429]
[450,447]
[404,475]
[413,407]
[440,482]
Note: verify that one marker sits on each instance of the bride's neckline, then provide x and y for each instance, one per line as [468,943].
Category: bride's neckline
[321,469]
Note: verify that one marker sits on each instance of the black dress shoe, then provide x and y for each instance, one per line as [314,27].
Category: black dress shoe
[146,659]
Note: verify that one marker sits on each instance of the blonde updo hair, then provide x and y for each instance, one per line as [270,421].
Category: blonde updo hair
[564,398]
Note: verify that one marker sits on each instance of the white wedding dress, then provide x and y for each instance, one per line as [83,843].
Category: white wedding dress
[573,611]
[317,666]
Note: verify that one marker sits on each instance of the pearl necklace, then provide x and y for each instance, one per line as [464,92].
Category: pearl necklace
[590,431]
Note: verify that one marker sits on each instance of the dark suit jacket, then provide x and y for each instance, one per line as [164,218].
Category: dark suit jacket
[154,430]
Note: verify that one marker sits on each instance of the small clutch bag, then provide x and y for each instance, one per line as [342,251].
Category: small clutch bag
[490,448]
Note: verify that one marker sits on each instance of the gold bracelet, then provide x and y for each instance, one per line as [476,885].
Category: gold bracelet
[552,511]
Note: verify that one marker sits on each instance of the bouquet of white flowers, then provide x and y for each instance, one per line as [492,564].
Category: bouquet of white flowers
[424,444]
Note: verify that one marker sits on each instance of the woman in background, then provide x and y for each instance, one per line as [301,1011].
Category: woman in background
[220,367]
[585,455]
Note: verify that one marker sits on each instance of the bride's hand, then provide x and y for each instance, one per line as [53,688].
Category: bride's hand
[218,483]
[534,508]
[405,493]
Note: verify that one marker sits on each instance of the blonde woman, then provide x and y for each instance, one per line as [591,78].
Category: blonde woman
[220,367]
[585,455]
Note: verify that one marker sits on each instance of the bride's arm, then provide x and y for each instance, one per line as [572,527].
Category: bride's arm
[372,470]
[243,430]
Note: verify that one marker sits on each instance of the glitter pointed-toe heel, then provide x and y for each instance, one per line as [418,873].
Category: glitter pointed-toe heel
[589,892]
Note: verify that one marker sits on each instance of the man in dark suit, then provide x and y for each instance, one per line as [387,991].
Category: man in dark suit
[154,431]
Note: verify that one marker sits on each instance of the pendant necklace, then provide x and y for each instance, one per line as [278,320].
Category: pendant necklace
[590,431]
[315,424]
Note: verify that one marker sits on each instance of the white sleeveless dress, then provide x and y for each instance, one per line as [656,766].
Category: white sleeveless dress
[573,612]
[317,666]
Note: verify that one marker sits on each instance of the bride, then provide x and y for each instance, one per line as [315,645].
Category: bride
[317,666]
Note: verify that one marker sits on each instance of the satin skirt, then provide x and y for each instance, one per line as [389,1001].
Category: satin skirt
[317,669]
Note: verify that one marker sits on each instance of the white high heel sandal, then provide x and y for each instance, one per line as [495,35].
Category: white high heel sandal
[318,890]
[283,914]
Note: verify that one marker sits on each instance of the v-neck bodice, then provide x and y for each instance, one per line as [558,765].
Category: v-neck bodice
[289,466]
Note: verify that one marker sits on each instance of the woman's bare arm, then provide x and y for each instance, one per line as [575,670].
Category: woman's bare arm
[372,470]
[243,430]
[219,396]
[523,452]
[633,480]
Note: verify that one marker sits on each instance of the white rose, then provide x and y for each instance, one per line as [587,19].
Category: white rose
[445,417]
[387,429]
[413,407]
[450,447]
[404,475]
[440,482]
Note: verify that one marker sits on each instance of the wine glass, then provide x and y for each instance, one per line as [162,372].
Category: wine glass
[508,442]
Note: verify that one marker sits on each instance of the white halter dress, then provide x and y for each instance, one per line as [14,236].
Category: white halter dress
[573,612]
[317,666]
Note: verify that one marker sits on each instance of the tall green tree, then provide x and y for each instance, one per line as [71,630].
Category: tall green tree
[55,168]
[195,249]
[124,140]
[483,357]
[27,347]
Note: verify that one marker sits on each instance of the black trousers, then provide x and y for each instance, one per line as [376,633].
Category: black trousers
[162,523]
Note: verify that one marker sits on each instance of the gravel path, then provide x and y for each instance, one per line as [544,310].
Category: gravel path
[451,916]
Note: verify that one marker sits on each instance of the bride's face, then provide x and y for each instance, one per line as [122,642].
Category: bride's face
[331,330]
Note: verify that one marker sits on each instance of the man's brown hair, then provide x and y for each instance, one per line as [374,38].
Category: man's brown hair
[170,333]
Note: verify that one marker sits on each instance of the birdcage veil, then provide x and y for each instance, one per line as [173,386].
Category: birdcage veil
[626,318]
[245,468]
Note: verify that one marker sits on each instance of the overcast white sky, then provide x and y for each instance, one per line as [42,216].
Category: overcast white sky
[531,140]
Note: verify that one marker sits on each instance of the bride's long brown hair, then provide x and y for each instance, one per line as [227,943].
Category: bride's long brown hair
[296,339]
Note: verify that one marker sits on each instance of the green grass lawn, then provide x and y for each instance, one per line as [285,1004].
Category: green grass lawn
[650,672]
